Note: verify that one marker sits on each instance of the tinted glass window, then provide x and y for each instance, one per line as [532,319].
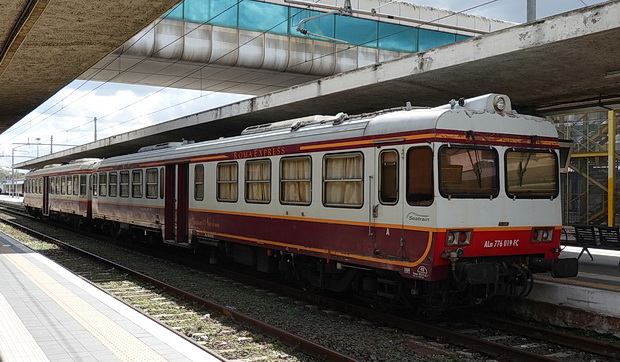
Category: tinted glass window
[531,174]
[468,172]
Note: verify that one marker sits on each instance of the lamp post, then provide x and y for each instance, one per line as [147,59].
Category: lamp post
[38,142]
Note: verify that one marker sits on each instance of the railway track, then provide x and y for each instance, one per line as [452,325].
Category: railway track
[493,338]
[168,305]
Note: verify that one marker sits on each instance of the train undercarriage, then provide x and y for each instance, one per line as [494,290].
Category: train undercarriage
[470,282]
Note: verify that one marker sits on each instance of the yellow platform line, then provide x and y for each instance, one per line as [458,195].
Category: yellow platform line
[121,343]
[580,283]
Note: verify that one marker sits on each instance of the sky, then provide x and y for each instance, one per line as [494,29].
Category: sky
[67,119]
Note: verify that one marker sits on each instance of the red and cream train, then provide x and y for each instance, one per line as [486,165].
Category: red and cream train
[442,206]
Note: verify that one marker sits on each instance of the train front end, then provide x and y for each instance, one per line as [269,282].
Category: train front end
[498,210]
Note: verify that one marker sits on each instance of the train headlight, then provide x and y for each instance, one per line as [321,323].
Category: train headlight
[542,235]
[499,103]
[458,237]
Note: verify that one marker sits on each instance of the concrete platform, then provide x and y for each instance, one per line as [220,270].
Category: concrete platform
[590,299]
[49,314]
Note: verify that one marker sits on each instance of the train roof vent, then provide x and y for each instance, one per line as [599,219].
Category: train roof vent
[161,146]
[295,124]
[83,160]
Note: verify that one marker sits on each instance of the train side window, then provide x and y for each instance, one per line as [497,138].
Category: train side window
[343,180]
[296,180]
[124,183]
[52,185]
[69,185]
[151,183]
[76,184]
[136,183]
[95,183]
[162,179]
[258,181]
[388,177]
[227,181]
[63,185]
[103,184]
[199,182]
[113,184]
[82,185]
[420,176]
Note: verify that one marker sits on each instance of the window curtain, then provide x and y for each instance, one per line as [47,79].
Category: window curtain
[258,181]
[343,180]
[227,182]
[296,180]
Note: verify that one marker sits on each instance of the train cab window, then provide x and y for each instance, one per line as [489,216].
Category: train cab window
[227,181]
[258,181]
[296,180]
[343,180]
[420,176]
[199,182]
[82,185]
[151,183]
[388,177]
[531,174]
[63,185]
[136,183]
[468,172]
[112,184]
[124,183]
[103,184]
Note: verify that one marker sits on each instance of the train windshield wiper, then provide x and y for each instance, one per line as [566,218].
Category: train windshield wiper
[523,168]
[476,166]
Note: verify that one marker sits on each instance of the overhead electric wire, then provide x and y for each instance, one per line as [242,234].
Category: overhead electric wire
[133,66]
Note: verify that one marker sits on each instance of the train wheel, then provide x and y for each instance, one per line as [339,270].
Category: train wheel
[522,284]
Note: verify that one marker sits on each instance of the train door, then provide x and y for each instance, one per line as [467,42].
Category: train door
[386,212]
[45,208]
[176,204]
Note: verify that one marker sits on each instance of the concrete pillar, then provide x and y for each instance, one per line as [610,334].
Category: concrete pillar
[611,167]
[531,10]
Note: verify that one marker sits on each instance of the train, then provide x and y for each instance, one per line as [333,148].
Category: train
[428,208]
[14,188]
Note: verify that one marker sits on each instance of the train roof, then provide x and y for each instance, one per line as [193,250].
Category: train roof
[74,165]
[490,113]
